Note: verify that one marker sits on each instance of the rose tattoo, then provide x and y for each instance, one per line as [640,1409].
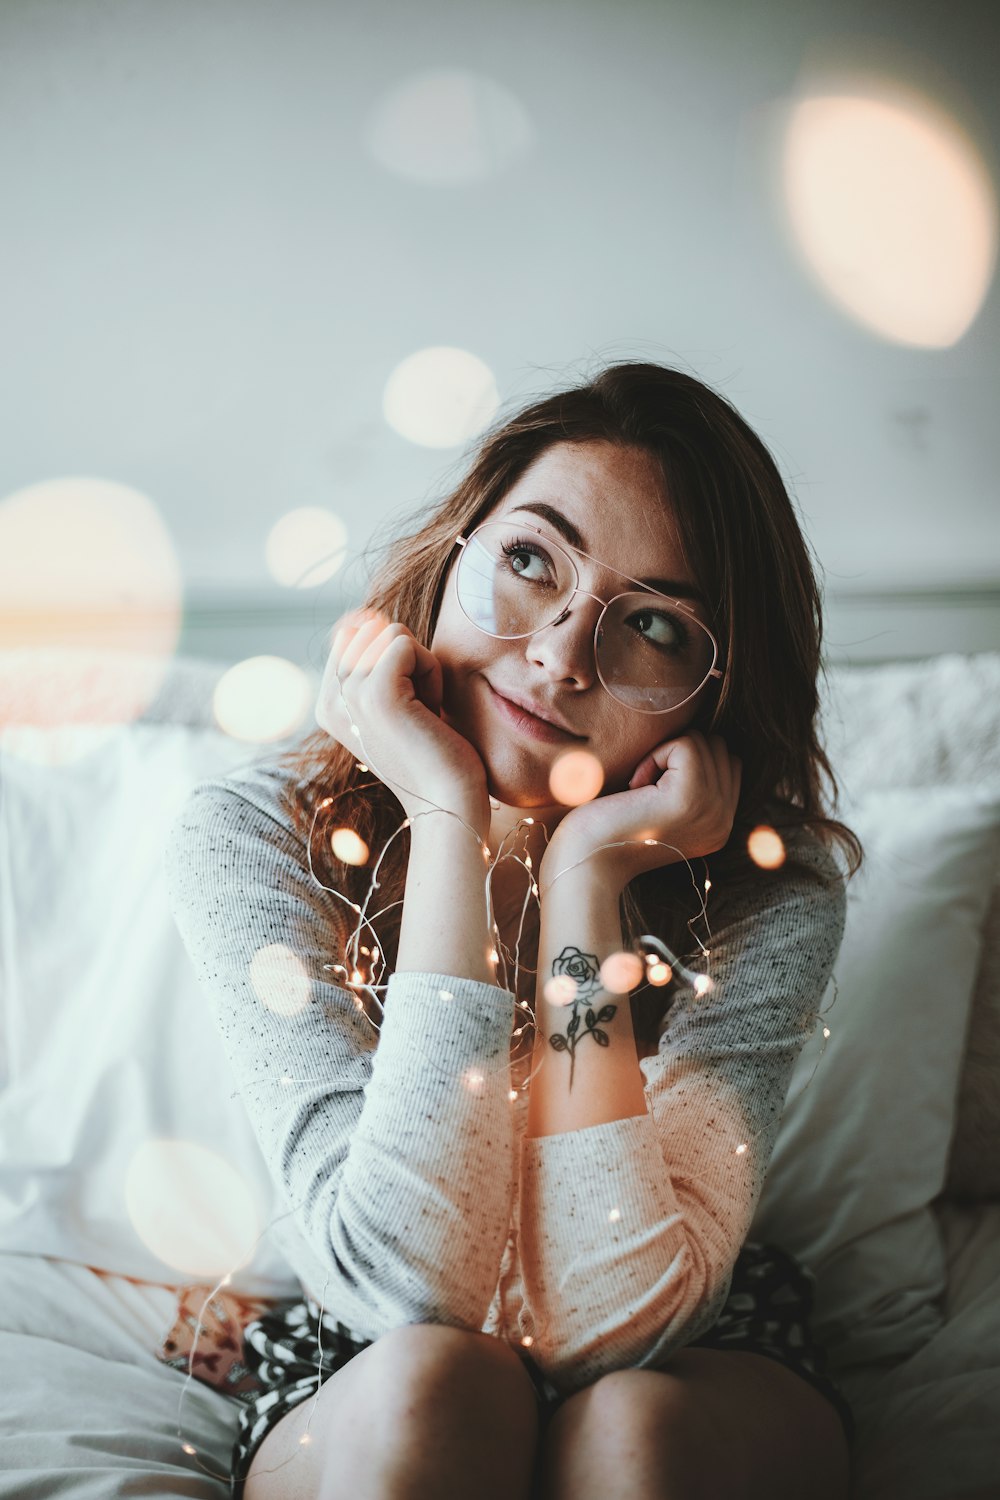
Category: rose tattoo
[585,970]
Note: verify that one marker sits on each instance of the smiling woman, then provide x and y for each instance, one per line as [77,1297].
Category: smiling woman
[524,1172]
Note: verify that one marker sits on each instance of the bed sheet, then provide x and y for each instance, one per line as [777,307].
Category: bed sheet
[929,1428]
[88,1411]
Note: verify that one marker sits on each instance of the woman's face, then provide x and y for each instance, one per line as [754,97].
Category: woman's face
[615,499]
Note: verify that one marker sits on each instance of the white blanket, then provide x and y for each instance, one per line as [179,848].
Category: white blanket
[929,1429]
[88,1411]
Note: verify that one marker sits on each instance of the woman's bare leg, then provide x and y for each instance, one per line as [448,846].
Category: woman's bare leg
[714,1422]
[424,1412]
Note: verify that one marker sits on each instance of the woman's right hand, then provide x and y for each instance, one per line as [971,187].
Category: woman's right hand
[381,678]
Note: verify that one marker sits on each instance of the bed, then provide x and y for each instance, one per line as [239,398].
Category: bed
[135,1209]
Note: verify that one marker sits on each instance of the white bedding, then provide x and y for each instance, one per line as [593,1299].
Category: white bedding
[88,1411]
[929,1429]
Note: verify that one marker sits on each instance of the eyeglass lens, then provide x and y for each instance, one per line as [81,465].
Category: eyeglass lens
[650,655]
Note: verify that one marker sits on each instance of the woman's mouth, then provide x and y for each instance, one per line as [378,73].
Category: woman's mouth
[528,723]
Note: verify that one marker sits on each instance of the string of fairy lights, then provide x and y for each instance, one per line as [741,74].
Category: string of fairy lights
[624,972]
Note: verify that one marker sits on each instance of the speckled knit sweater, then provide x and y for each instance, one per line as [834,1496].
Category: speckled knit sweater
[413,1198]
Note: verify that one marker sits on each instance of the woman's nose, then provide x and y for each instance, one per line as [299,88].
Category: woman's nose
[566,647]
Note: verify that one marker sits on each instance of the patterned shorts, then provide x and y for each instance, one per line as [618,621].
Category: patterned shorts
[766,1312]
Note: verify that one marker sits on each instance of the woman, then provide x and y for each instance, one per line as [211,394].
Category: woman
[522,1172]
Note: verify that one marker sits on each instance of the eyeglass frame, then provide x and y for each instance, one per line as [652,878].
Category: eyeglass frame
[713,671]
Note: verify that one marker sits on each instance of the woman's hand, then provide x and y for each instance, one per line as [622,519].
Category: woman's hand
[683,793]
[379,677]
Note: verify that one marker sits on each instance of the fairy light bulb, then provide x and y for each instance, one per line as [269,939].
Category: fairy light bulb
[659,973]
[702,984]
[741,1148]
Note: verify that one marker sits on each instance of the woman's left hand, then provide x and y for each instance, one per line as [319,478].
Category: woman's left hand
[684,793]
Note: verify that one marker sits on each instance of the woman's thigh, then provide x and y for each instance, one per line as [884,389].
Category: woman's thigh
[714,1422]
[423,1395]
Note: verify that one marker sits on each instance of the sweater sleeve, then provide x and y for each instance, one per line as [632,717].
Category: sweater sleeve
[630,1230]
[398,1162]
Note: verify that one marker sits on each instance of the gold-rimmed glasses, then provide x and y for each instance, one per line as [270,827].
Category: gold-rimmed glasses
[653,654]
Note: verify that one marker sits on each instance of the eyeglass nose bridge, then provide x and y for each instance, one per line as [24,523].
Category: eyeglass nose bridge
[566,608]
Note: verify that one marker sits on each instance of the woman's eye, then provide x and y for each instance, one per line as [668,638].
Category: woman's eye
[526,560]
[661,629]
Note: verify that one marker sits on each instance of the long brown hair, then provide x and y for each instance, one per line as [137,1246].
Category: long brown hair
[748,555]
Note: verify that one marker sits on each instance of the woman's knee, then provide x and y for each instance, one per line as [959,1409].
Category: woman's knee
[422,1403]
[638,1406]
[418,1367]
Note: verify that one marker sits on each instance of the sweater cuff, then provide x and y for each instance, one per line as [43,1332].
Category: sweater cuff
[456,1021]
[613,1175]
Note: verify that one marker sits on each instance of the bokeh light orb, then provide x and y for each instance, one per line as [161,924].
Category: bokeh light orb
[621,972]
[576,777]
[448,126]
[191,1207]
[90,603]
[560,989]
[893,209]
[305,547]
[440,397]
[349,846]
[262,699]
[766,847]
[280,980]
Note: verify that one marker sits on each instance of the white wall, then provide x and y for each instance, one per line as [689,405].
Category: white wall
[206,277]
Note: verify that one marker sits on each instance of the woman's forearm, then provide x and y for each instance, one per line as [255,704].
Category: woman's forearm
[585,1052]
[444,928]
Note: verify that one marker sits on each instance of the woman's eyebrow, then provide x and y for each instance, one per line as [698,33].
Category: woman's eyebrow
[677,587]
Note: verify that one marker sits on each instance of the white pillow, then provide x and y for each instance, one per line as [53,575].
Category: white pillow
[863,1145]
[123,1141]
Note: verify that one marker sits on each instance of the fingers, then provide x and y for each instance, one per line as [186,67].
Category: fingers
[720,771]
[367,639]
[352,637]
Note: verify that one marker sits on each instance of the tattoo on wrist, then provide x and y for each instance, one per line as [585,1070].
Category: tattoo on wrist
[584,969]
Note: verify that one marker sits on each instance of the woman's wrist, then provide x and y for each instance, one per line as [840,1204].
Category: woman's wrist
[565,862]
[444,927]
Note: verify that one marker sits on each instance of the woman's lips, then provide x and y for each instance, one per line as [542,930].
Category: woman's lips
[530,724]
